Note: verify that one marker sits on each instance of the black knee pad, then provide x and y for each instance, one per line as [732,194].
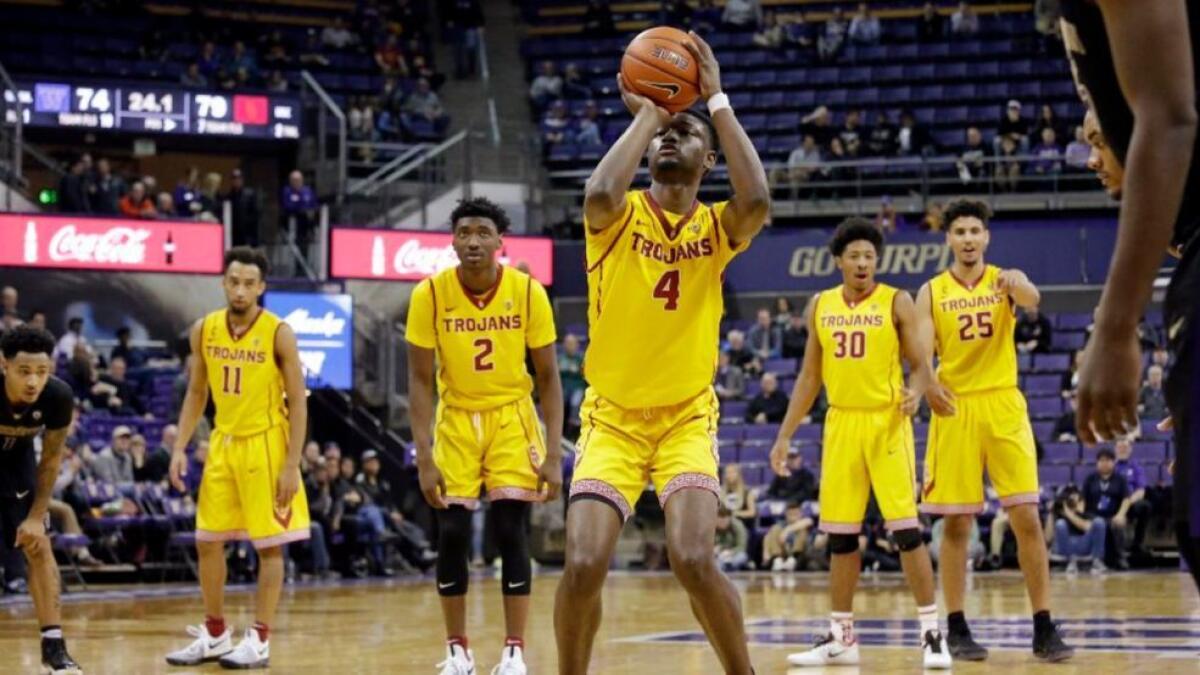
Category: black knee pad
[510,518]
[842,544]
[908,539]
[454,550]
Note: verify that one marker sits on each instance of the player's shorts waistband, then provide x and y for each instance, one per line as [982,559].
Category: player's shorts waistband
[986,392]
[877,409]
[229,437]
[654,408]
[455,408]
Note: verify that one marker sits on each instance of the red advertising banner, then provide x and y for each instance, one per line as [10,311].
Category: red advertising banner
[110,244]
[399,255]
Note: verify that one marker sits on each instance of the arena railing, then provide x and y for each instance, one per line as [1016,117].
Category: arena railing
[328,107]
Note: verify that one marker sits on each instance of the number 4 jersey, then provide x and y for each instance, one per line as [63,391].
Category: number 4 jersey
[654,302]
[481,339]
[975,326]
[860,348]
[243,375]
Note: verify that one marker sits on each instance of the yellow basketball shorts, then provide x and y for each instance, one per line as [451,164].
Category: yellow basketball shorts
[620,450]
[990,431]
[864,450]
[237,491]
[499,449]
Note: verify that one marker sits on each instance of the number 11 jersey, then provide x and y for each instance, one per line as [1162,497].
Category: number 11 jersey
[481,339]
[654,302]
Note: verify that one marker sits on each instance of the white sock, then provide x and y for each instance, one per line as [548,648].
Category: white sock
[841,625]
[54,633]
[929,618]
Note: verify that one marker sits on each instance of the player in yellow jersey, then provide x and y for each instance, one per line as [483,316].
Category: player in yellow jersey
[980,421]
[247,357]
[477,320]
[857,334]
[654,261]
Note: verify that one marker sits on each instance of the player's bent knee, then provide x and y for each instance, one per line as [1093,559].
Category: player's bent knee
[843,544]
[691,564]
[908,539]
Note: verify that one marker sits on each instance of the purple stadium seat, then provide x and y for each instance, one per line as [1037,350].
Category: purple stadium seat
[772,101]
[1028,89]
[761,79]
[809,433]
[729,432]
[1045,407]
[734,410]
[1054,475]
[1024,362]
[755,451]
[1043,384]
[1043,430]
[753,387]
[1051,363]
[781,366]
[1069,321]
[1067,341]
[1150,451]
[761,432]
[1150,431]
[756,474]
[1061,453]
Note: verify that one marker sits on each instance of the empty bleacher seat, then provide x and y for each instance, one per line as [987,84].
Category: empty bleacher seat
[1061,453]
[1051,363]
[1045,407]
[1054,475]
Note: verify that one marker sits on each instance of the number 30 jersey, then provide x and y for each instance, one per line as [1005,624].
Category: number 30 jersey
[860,348]
[243,375]
[975,327]
[481,339]
[654,302]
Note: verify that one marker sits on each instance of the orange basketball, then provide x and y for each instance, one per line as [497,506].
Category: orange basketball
[658,66]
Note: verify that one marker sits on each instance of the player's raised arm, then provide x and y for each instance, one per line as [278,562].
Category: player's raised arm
[909,329]
[1152,55]
[804,392]
[193,407]
[1016,285]
[941,400]
[604,194]
[288,355]
[750,204]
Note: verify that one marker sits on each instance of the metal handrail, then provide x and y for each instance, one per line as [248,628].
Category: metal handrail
[329,104]
[370,184]
[18,137]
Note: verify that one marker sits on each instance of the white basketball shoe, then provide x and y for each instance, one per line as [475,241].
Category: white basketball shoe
[828,651]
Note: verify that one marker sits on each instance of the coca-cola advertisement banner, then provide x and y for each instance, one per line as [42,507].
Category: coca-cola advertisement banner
[398,255]
[110,244]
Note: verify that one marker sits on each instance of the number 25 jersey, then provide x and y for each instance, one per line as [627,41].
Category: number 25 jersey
[481,339]
[975,326]
[654,302]
[860,348]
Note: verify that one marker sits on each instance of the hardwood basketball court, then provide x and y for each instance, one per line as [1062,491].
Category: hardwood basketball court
[1121,623]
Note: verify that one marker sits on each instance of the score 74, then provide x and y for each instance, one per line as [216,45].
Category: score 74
[91,99]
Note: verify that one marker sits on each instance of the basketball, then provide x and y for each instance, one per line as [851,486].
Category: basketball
[658,66]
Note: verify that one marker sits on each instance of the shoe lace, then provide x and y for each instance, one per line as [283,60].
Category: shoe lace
[933,640]
[822,640]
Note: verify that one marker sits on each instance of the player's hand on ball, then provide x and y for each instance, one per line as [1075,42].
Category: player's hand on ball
[178,470]
[910,401]
[710,69]
[779,457]
[31,536]
[550,478]
[287,486]
[433,486]
[637,103]
[941,400]
[1108,387]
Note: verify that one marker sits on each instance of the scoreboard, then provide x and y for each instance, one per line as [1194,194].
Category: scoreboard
[157,110]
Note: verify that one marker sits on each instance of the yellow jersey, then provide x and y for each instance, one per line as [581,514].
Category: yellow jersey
[860,348]
[243,374]
[975,327]
[654,302]
[481,339]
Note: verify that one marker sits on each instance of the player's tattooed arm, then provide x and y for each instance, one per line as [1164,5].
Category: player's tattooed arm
[47,471]
[941,399]
[905,312]
[1017,286]
[750,205]
[804,392]
[604,195]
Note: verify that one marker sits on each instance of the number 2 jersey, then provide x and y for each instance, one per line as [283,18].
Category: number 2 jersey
[975,326]
[243,374]
[18,427]
[860,348]
[654,302]
[481,339]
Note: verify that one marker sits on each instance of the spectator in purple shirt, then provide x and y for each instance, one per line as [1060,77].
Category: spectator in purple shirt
[187,190]
[1049,154]
[1140,510]
[299,203]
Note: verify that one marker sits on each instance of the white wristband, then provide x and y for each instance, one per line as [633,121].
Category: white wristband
[718,102]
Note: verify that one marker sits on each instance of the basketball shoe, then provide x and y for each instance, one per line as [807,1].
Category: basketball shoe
[459,661]
[511,663]
[205,648]
[828,651]
[936,654]
[250,653]
[56,660]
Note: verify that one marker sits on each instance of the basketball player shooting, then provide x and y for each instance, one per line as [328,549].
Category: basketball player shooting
[654,264]
[247,356]
[1146,102]
[35,402]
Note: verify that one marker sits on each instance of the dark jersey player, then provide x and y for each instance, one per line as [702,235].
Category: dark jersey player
[34,402]
[1145,99]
